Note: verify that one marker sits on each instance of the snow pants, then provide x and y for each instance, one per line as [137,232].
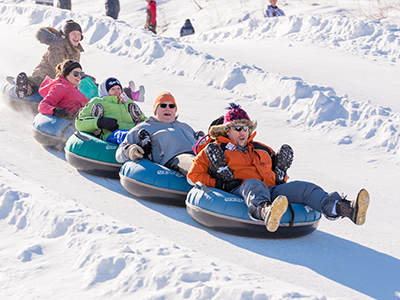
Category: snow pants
[181,163]
[254,192]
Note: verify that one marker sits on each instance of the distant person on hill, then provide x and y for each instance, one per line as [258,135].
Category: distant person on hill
[61,97]
[111,115]
[64,4]
[112,8]
[151,22]
[241,166]
[273,10]
[63,44]
[161,138]
[187,28]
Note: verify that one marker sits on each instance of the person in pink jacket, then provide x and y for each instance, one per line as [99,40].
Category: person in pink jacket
[61,97]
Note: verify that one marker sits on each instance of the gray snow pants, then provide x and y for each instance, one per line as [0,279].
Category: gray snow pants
[254,192]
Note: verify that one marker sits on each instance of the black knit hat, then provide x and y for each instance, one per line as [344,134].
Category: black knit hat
[71,26]
[69,66]
[110,82]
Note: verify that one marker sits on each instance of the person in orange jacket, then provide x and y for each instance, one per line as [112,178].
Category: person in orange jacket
[241,166]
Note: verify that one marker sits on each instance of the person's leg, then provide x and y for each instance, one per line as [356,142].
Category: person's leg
[258,200]
[308,194]
[181,163]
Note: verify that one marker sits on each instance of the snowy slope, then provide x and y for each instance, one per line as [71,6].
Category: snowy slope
[96,241]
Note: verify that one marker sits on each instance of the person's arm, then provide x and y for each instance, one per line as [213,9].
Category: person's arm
[51,100]
[85,122]
[199,170]
[122,154]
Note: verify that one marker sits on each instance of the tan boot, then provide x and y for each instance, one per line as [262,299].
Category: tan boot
[355,210]
[272,213]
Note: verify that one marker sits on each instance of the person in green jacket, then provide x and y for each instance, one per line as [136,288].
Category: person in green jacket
[111,115]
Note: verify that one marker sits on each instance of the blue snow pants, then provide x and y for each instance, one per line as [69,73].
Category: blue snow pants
[254,192]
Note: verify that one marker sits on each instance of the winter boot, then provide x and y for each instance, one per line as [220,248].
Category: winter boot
[135,112]
[145,143]
[284,160]
[355,210]
[218,167]
[272,213]
[22,86]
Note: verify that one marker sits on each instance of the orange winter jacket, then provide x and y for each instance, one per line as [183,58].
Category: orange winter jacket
[256,163]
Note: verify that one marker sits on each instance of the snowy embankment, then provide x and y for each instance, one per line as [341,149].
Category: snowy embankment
[307,106]
[107,258]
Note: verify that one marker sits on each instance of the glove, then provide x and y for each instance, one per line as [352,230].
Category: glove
[227,186]
[61,113]
[107,123]
[135,152]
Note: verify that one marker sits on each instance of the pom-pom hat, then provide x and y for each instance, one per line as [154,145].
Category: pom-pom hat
[164,96]
[71,26]
[235,115]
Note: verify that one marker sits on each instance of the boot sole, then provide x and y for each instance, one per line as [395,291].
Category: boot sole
[279,207]
[217,160]
[362,203]
[21,87]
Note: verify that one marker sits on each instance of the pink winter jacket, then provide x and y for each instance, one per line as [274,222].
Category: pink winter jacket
[60,92]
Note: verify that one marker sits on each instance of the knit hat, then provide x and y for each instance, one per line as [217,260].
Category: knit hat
[107,84]
[71,26]
[235,115]
[69,66]
[164,96]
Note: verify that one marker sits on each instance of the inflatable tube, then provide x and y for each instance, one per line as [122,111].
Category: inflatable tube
[92,155]
[152,182]
[52,132]
[227,213]
[29,104]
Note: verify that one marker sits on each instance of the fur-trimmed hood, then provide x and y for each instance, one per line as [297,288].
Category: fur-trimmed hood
[50,36]
[222,130]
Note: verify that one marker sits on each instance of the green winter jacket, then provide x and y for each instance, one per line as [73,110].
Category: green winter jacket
[108,107]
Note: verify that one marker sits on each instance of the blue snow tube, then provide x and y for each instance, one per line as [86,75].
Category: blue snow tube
[29,104]
[221,211]
[52,132]
[153,182]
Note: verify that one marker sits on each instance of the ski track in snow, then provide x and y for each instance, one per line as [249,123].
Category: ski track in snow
[312,107]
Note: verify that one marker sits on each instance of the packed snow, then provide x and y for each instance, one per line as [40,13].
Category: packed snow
[323,79]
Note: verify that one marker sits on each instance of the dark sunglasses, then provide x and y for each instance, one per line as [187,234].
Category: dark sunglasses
[76,73]
[240,128]
[164,105]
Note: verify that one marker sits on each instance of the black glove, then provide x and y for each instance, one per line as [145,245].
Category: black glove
[198,135]
[227,186]
[61,113]
[107,123]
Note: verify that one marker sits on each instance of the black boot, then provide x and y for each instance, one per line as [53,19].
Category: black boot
[355,210]
[272,213]
[284,160]
[218,167]
[145,143]
[22,86]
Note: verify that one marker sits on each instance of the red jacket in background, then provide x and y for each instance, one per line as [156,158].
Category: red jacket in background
[60,92]
[151,13]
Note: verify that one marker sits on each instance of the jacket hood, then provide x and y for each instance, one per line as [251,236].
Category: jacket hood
[52,37]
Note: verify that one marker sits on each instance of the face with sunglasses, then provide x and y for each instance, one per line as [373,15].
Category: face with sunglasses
[239,134]
[75,76]
[165,112]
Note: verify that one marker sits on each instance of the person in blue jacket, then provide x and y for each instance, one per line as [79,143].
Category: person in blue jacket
[187,29]
[273,10]
[112,8]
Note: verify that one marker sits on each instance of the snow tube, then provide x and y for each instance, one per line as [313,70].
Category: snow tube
[52,132]
[153,182]
[92,155]
[227,213]
[29,104]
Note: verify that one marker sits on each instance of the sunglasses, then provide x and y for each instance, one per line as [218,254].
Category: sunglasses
[164,105]
[240,128]
[76,73]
